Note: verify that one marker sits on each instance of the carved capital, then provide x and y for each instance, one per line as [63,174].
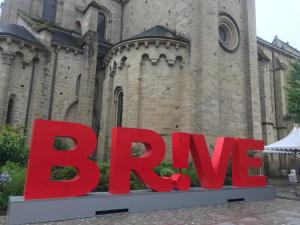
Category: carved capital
[7,58]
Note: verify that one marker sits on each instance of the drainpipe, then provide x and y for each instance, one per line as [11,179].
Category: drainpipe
[34,60]
[53,84]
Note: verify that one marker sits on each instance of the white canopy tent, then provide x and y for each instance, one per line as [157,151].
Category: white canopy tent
[288,145]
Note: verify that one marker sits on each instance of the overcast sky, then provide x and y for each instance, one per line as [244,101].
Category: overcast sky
[278,17]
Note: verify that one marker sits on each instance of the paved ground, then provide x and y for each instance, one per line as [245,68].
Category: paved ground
[283,210]
[284,189]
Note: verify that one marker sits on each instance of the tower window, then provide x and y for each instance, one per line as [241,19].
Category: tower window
[10,108]
[101,26]
[229,34]
[119,95]
[78,86]
[49,10]
[222,34]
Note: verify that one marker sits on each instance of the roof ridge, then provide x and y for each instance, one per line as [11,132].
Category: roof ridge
[285,43]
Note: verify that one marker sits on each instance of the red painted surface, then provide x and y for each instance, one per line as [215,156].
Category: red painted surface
[43,157]
[122,162]
[211,170]
[241,163]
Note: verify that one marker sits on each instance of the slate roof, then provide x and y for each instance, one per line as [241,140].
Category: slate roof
[285,46]
[18,32]
[66,39]
[295,54]
[160,32]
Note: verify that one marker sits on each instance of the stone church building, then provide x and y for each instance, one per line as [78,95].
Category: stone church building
[166,65]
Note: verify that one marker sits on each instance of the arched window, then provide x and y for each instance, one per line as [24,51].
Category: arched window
[119,95]
[96,92]
[49,10]
[101,26]
[10,108]
[78,85]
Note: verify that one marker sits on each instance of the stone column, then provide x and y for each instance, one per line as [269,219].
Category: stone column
[205,69]
[266,98]
[107,117]
[280,99]
[251,71]
[87,84]
[7,59]
[132,98]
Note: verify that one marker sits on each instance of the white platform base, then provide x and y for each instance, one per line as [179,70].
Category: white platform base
[24,212]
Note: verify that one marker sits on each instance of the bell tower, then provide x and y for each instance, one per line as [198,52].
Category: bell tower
[224,69]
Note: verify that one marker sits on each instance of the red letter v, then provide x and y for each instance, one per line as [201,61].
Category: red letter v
[211,173]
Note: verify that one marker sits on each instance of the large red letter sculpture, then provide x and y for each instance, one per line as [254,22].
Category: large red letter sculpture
[122,161]
[241,163]
[43,157]
[211,173]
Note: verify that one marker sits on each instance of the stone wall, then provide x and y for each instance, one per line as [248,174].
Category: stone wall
[67,83]
[23,65]
[273,70]
[151,75]
[225,82]
[142,15]
[274,64]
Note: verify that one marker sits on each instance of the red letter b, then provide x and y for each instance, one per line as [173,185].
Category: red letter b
[43,157]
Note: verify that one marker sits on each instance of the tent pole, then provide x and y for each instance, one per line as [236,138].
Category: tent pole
[297,172]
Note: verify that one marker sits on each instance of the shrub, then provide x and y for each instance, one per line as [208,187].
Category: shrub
[165,169]
[104,178]
[63,173]
[192,173]
[12,146]
[14,185]
[228,180]
[135,183]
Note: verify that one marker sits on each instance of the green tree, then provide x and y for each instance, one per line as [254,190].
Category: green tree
[293,92]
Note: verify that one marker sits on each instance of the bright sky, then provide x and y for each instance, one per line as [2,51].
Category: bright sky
[278,17]
[281,18]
